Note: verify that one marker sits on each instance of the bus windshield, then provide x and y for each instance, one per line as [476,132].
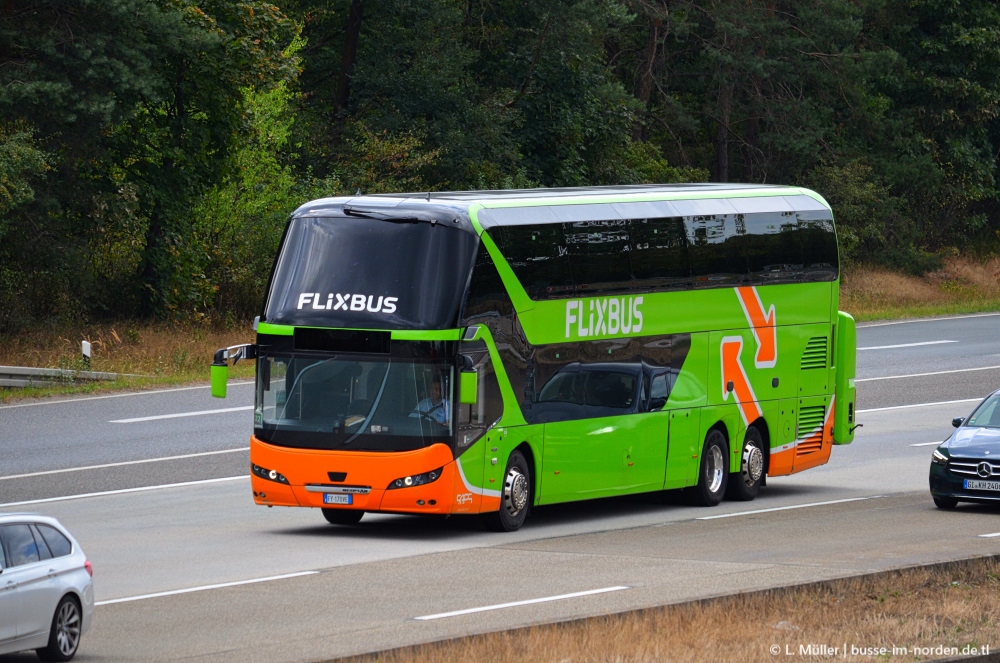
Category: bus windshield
[370,404]
[359,273]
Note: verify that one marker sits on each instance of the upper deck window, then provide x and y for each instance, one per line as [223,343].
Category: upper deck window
[583,258]
[362,273]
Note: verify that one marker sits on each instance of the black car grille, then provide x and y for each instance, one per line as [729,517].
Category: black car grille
[969,467]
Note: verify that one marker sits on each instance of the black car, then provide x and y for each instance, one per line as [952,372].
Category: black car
[966,467]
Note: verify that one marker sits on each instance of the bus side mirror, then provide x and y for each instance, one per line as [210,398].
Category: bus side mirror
[468,386]
[220,365]
[220,374]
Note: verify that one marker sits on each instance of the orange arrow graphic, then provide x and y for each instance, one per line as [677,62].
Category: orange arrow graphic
[763,326]
[732,372]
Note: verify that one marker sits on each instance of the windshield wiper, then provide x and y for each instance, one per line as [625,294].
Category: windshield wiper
[380,216]
[400,216]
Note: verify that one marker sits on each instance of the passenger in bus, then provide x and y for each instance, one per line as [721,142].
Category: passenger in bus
[434,406]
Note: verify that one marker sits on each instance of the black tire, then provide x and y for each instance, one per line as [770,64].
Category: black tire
[515,498]
[714,470]
[343,516]
[64,636]
[744,484]
[944,502]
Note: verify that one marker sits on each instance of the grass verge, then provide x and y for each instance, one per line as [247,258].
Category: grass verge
[962,285]
[145,355]
[916,614]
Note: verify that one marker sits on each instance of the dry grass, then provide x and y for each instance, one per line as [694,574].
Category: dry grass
[954,605]
[143,354]
[963,285]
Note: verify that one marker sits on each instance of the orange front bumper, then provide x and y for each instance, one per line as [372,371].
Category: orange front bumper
[365,476]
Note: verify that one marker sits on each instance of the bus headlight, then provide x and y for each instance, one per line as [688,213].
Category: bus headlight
[270,475]
[416,479]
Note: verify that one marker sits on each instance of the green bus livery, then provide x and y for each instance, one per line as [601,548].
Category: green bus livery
[490,351]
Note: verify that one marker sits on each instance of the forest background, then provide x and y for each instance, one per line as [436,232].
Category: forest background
[151,150]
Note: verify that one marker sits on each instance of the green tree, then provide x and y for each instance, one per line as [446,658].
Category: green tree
[938,136]
[138,102]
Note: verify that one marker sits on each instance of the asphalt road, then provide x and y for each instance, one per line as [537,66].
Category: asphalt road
[163,535]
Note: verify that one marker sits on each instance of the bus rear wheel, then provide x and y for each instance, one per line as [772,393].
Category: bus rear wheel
[714,471]
[515,498]
[744,484]
[343,516]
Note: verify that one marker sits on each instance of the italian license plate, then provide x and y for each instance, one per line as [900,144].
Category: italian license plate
[335,498]
[975,484]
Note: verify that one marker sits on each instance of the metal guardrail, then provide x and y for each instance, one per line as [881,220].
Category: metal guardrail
[21,376]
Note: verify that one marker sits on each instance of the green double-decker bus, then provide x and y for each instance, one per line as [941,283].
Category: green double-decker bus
[490,351]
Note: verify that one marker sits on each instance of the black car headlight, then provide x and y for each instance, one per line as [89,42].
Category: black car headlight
[416,479]
[270,475]
[939,457]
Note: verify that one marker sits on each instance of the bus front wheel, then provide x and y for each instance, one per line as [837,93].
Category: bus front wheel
[744,484]
[714,470]
[515,498]
[343,516]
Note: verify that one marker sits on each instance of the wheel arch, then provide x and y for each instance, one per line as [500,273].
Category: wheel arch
[765,435]
[720,426]
[533,463]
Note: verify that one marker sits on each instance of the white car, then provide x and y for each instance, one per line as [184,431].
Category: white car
[46,587]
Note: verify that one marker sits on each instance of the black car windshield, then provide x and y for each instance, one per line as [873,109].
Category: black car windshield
[360,404]
[987,415]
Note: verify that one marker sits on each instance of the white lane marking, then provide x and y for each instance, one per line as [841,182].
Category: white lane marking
[181,414]
[500,606]
[904,345]
[152,392]
[926,444]
[989,536]
[920,375]
[902,407]
[122,491]
[126,462]
[787,508]
[204,587]
[906,322]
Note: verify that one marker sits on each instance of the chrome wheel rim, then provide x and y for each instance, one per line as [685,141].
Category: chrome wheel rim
[714,469]
[68,628]
[753,464]
[515,491]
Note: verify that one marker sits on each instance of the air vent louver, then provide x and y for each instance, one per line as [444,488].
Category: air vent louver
[815,353]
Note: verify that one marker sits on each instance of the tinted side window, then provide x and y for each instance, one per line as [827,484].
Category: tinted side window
[615,390]
[717,250]
[21,548]
[598,252]
[659,388]
[486,292]
[58,544]
[819,246]
[589,258]
[537,254]
[774,248]
[475,419]
[659,252]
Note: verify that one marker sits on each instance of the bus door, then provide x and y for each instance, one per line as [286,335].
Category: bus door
[596,439]
[581,459]
[683,454]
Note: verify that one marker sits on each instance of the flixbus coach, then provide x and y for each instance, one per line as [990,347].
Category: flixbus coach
[488,351]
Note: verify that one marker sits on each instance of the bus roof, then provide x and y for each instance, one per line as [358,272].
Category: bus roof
[687,199]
